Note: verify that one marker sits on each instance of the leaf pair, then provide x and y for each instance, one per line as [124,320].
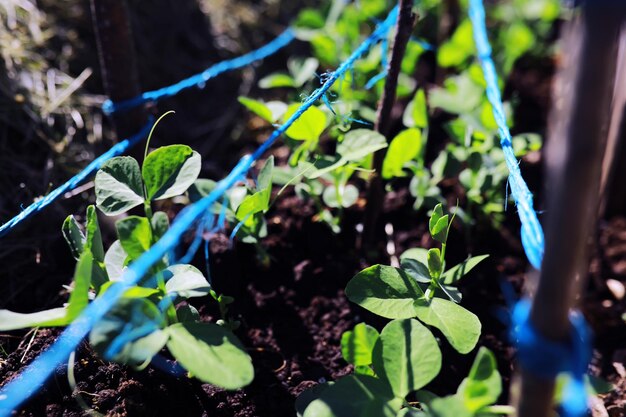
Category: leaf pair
[134,331]
[166,172]
[404,358]
[393,293]
[480,389]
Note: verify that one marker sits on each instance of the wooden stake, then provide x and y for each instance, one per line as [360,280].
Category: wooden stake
[375,194]
[116,51]
[612,190]
[573,157]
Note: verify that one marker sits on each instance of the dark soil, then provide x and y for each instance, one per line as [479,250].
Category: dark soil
[294,312]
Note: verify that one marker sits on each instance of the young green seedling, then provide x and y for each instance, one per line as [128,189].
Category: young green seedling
[400,360]
[421,288]
[155,313]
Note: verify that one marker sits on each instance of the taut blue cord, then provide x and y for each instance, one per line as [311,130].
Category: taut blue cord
[109,107]
[532,233]
[538,355]
[73,182]
[19,390]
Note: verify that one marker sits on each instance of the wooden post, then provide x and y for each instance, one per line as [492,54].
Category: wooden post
[612,190]
[375,194]
[579,125]
[116,51]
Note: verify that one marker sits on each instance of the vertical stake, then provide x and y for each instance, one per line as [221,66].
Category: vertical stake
[116,52]
[375,194]
[574,154]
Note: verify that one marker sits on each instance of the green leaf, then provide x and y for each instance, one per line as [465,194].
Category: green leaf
[450,406]
[357,344]
[118,186]
[405,147]
[115,261]
[459,48]
[460,326]
[407,355]
[79,297]
[309,126]
[93,241]
[435,217]
[135,235]
[416,113]
[302,69]
[307,396]
[187,313]
[160,224]
[412,412]
[73,236]
[169,171]
[461,95]
[416,269]
[211,353]
[355,396]
[419,254]
[257,107]
[200,189]
[342,197]
[10,320]
[434,262]
[277,79]
[359,143]
[128,321]
[186,281]
[384,290]
[259,201]
[483,385]
[440,230]
[457,272]
[452,293]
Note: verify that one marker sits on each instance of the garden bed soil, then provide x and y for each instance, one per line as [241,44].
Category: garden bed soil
[294,312]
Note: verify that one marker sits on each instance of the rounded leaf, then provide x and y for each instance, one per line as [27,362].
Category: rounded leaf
[460,326]
[405,147]
[211,353]
[186,281]
[169,171]
[355,396]
[118,186]
[309,125]
[384,290]
[407,355]
[357,344]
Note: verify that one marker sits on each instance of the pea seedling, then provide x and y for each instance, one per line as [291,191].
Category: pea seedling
[422,288]
[151,315]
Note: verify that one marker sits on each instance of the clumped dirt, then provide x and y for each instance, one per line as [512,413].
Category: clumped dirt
[294,312]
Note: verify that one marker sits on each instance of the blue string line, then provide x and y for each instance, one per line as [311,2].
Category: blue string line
[538,355]
[109,107]
[34,376]
[73,182]
[532,233]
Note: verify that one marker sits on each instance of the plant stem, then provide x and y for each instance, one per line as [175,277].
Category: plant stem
[375,194]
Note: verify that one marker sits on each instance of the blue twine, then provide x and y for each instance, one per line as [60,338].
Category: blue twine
[538,355]
[19,389]
[109,107]
[532,233]
[384,46]
[76,180]
[546,359]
